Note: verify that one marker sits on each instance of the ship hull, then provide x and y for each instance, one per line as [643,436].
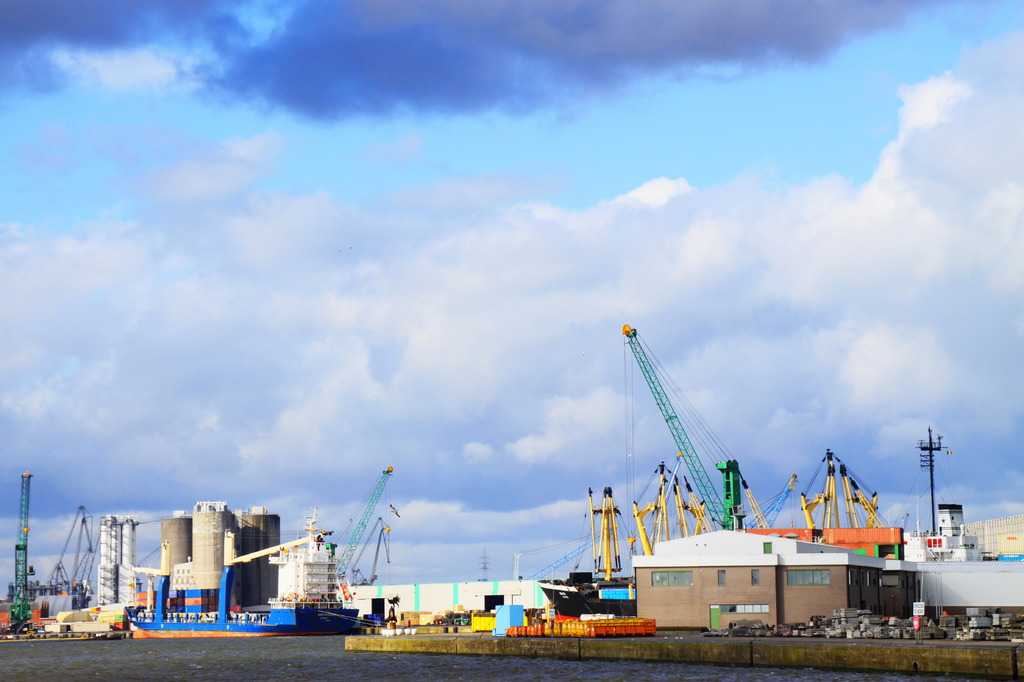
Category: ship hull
[279,623]
[575,601]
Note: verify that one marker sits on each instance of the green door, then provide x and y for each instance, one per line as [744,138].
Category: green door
[716,613]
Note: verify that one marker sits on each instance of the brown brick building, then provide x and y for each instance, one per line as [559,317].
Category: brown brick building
[708,580]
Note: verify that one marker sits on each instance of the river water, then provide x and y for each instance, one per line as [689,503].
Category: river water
[252,659]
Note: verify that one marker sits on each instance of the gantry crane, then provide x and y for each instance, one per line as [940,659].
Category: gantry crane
[21,608]
[364,519]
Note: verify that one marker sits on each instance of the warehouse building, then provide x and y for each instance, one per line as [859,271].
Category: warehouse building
[709,580]
[439,598]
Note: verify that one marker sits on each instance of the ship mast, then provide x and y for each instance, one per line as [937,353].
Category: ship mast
[928,449]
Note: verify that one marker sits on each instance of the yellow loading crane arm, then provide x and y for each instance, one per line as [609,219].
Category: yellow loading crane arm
[229,549]
[641,529]
[849,499]
[759,516]
[165,563]
[808,508]
[870,506]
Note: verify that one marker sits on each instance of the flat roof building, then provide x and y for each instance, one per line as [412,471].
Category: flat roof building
[709,580]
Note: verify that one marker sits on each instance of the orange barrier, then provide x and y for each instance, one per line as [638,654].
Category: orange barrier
[612,627]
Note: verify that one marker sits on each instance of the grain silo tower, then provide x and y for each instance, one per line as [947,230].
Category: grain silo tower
[257,579]
[210,521]
[177,533]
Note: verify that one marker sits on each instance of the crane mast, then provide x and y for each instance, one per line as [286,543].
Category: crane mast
[357,534]
[21,608]
[686,450]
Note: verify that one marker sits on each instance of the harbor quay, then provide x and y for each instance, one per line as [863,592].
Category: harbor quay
[992,660]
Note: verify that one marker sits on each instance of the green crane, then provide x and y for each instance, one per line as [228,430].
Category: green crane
[357,534]
[21,608]
[724,516]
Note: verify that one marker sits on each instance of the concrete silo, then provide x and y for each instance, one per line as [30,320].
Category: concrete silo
[257,579]
[177,532]
[210,521]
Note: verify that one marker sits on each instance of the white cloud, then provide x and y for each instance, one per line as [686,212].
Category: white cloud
[569,425]
[139,69]
[219,173]
[656,193]
[236,342]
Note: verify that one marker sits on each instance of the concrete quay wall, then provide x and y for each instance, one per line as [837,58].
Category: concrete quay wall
[1004,662]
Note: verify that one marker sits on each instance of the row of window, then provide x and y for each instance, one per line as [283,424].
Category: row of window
[741,608]
[794,576]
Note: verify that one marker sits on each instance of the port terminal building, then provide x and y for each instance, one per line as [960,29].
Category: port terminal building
[709,580]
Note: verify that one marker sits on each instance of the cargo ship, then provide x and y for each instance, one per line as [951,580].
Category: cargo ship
[309,599]
[581,595]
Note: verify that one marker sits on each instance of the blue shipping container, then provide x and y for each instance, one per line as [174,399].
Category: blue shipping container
[1011,557]
[616,593]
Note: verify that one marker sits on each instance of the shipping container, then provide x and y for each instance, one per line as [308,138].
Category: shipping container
[1011,544]
[803,534]
[863,536]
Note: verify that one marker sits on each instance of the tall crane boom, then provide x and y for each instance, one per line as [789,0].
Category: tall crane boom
[357,533]
[21,609]
[561,561]
[700,476]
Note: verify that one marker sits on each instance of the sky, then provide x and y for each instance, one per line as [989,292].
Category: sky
[258,251]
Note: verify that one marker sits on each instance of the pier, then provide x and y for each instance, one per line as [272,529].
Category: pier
[994,660]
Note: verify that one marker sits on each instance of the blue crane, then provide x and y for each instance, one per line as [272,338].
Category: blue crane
[561,561]
[364,519]
[771,512]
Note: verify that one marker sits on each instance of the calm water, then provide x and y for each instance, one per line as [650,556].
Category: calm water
[324,658]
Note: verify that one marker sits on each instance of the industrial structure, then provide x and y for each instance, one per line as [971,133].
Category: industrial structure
[115,580]
[21,605]
[196,548]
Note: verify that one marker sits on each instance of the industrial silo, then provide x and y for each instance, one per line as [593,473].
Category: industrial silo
[177,532]
[257,579]
[209,523]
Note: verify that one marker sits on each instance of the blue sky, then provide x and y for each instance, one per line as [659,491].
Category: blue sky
[260,265]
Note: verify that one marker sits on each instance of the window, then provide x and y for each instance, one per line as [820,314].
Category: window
[671,578]
[721,576]
[755,576]
[808,576]
[742,608]
[767,548]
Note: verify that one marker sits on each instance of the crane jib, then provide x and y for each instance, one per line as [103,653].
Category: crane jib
[723,516]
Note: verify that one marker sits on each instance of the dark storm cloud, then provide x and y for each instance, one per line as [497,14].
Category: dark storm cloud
[29,28]
[328,59]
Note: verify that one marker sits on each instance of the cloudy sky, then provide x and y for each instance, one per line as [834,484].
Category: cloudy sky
[257,251]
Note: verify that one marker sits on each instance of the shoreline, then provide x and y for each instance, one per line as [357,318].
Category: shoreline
[992,660]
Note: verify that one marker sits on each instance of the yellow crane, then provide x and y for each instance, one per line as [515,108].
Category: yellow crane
[828,499]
